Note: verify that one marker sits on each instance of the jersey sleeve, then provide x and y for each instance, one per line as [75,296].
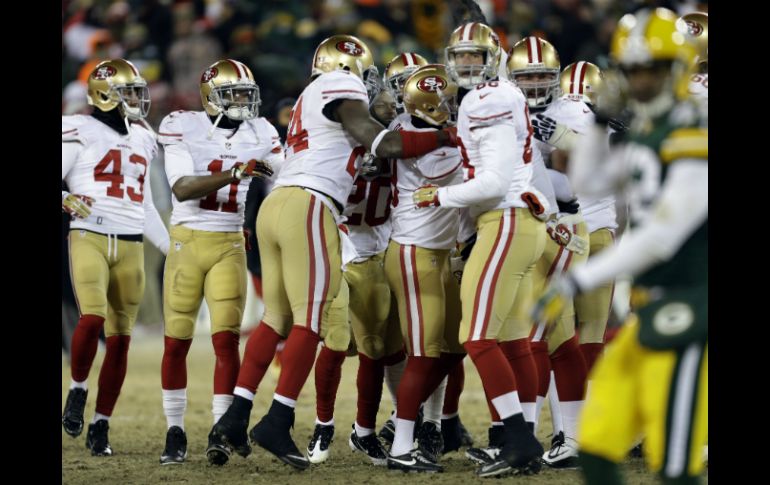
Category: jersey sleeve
[73,129]
[342,85]
[171,132]
[493,104]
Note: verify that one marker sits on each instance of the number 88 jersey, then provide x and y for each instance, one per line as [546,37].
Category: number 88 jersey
[190,152]
[109,167]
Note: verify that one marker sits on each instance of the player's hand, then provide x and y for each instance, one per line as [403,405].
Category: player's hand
[451,132]
[77,206]
[543,127]
[426,196]
[563,236]
[252,168]
[550,306]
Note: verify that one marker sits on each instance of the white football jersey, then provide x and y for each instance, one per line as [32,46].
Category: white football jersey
[112,169]
[598,213]
[368,215]
[320,154]
[190,152]
[425,228]
[490,104]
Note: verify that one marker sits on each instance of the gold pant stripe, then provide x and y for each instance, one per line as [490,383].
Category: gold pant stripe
[412,294]
[319,265]
[485,293]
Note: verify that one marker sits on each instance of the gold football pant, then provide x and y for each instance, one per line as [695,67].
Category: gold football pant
[108,278]
[557,260]
[204,264]
[299,249]
[508,244]
[427,296]
[593,307]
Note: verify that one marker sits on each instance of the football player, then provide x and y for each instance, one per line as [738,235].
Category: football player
[495,142]
[211,156]
[367,302]
[106,159]
[418,272]
[397,71]
[301,247]
[653,377]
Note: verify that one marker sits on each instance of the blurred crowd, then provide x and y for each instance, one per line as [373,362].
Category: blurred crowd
[172,41]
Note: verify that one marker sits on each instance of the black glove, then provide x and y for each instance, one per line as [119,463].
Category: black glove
[543,127]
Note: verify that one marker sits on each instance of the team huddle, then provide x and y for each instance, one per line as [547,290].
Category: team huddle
[469,207]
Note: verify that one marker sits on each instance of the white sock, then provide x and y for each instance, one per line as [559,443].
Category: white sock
[434,404]
[174,406]
[449,416]
[404,439]
[507,404]
[393,375]
[529,411]
[79,385]
[244,393]
[553,403]
[329,423]
[361,431]
[219,405]
[99,417]
[285,400]
[570,412]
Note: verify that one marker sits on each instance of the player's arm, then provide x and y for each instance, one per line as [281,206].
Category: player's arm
[186,187]
[154,228]
[680,210]
[358,122]
[494,171]
[77,206]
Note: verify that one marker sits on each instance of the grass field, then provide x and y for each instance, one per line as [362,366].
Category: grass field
[137,432]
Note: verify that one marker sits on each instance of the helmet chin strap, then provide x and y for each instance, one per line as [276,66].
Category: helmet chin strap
[214,126]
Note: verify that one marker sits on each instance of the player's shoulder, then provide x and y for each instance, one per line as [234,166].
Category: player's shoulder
[493,100]
[339,84]
[572,112]
[75,128]
[180,126]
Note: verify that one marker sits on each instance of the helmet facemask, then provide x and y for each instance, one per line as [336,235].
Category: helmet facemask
[539,93]
[372,82]
[133,100]
[469,75]
[239,102]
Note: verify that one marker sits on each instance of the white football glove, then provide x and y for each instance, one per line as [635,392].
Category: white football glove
[563,236]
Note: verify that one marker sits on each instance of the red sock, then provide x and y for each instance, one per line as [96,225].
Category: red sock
[492,410]
[113,373]
[591,352]
[543,364]
[259,352]
[415,385]
[85,340]
[173,367]
[297,361]
[454,387]
[519,355]
[496,374]
[228,361]
[569,370]
[371,374]
[328,371]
